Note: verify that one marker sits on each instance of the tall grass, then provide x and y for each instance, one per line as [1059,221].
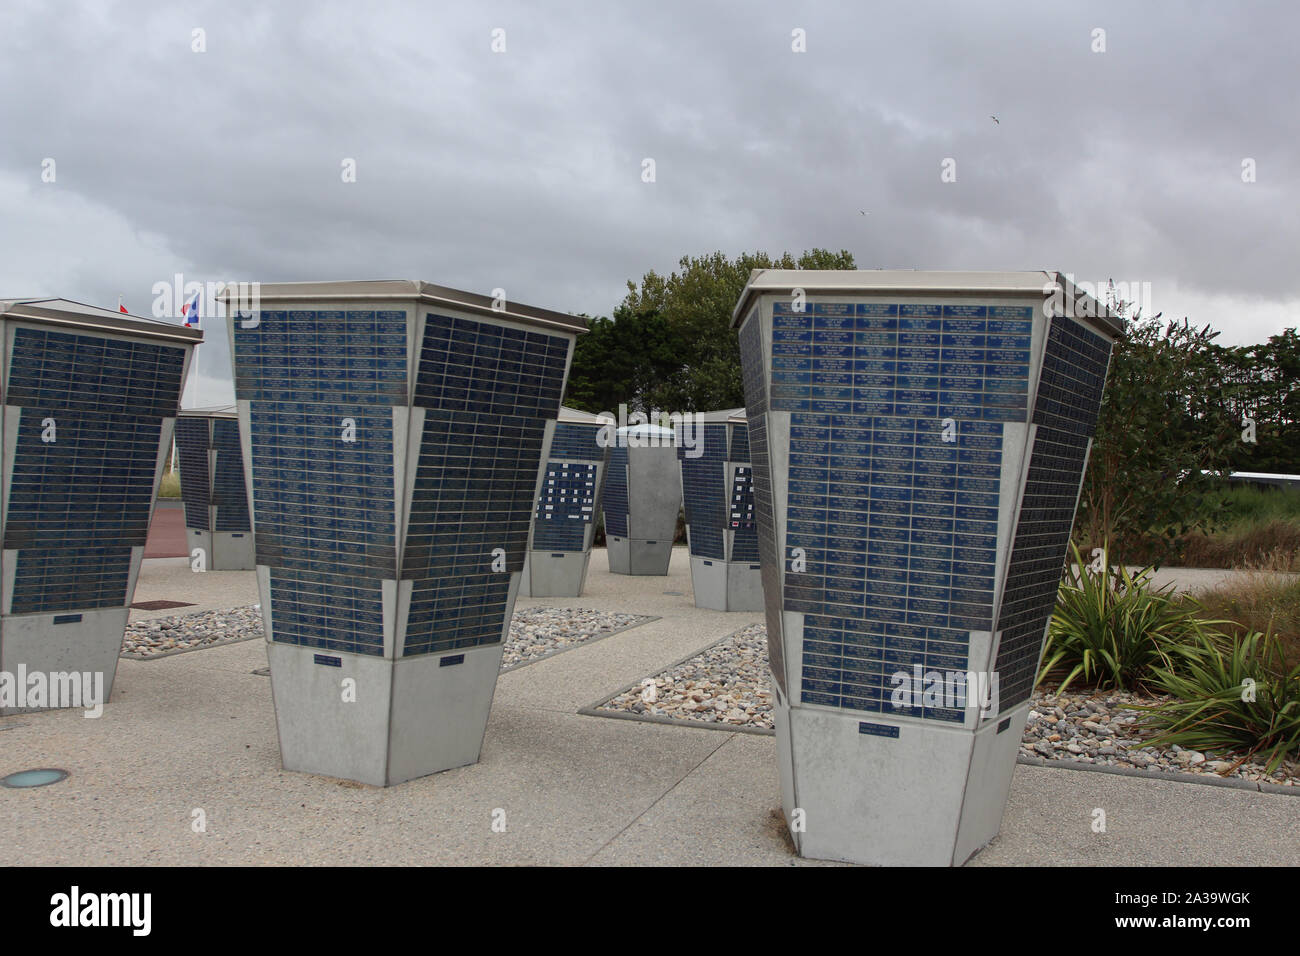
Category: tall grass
[170,486]
[1250,525]
[1255,504]
[1261,599]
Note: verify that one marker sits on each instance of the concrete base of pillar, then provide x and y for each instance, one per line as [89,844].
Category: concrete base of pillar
[930,796]
[726,585]
[638,556]
[404,718]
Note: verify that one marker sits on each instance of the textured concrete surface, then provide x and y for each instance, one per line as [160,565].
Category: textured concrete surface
[172,579]
[195,732]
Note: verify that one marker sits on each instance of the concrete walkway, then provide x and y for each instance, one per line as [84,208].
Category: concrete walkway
[196,732]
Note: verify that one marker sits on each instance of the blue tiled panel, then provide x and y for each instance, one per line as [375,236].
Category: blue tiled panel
[565,506]
[324,504]
[335,357]
[95,482]
[615,502]
[704,493]
[334,612]
[477,367]
[63,579]
[744,542]
[566,503]
[229,492]
[899,526]
[754,377]
[911,360]
[753,368]
[739,443]
[192,443]
[89,373]
[1065,410]
[78,504]
[574,441]
[476,475]
[473,494]
[324,517]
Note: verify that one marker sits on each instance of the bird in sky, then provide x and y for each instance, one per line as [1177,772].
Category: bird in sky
[994,119]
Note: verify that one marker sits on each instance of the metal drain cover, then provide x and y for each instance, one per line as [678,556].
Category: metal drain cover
[42,777]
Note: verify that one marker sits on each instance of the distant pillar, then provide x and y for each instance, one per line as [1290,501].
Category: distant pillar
[568,499]
[213,488]
[643,498]
[718,493]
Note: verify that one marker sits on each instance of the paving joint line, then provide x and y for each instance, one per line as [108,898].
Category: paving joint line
[654,803]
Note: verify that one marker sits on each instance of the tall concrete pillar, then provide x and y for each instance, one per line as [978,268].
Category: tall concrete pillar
[393,432]
[919,441]
[213,488]
[90,399]
[718,494]
[643,497]
[569,483]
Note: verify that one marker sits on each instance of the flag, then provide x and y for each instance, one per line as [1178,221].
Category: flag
[122,308]
[191,312]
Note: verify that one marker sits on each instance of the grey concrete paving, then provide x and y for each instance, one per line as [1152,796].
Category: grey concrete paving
[172,579]
[196,732]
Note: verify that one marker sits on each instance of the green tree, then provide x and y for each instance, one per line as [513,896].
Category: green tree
[1159,431]
[619,359]
[669,345]
[696,304]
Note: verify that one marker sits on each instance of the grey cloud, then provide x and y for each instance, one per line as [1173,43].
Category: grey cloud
[522,170]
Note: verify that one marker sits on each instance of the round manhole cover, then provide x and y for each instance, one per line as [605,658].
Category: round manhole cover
[42,777]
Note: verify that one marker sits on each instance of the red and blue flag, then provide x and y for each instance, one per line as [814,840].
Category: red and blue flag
[191,312]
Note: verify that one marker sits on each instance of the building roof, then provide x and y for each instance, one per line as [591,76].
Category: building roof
[212,411]
[406,289]
[731,416]
[907,282]
[65,312]
[576,416]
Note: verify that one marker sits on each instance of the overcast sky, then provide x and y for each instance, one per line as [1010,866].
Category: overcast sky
[523,169]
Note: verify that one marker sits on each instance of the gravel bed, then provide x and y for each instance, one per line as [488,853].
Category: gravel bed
[184,632]
[1103,729]
[535,632]
[729,684]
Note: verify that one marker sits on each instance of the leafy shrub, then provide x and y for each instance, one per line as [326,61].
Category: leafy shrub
[1212,679]
[1108,628]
